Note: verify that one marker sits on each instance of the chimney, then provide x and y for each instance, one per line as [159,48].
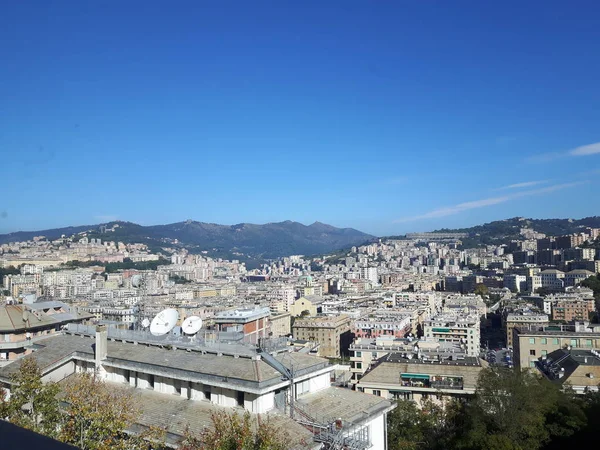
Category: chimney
[101,343]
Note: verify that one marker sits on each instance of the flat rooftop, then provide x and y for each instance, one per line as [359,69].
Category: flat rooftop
[176,413]
[176,363]
[461,361]
[338,403]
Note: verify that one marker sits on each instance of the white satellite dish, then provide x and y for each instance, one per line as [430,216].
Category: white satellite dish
[136,281]
[191,325]
[145,323]
[164,322]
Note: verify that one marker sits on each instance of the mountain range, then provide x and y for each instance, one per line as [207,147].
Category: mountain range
[503,231]
[252,242]
[242,241]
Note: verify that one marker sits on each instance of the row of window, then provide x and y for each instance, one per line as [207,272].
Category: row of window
[556,341]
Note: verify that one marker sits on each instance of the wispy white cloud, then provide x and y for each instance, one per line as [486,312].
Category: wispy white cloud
[584,150]
[455,209]
[525,184]
[106,218]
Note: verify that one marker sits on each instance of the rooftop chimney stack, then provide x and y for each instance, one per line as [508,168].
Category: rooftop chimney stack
[101,349]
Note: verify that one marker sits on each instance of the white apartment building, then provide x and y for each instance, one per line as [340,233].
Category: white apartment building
[456,329]
[369,273]
[193,381]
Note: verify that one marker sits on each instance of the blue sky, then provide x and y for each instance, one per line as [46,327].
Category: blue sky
[387,116]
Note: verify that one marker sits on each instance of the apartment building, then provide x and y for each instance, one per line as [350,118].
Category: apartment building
[523,319]
[331,332]
[381,324]
[415,377]
[568,310]
[514,282]
[531,343]
[21,326]
[281,325]
[254,323]
[365,352]
[553,279]
[578,369]
[574,277]
[456,329]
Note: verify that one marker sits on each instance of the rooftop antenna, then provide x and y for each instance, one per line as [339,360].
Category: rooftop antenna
[191,325]
[164,322]
[138,281]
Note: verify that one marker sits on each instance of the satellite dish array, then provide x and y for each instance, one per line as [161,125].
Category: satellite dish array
[191,325]
[165,321]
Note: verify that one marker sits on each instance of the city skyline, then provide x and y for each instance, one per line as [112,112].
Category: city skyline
[387,119]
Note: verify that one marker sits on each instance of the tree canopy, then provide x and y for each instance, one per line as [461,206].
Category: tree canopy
[511,410]
[32,403]
[237,432]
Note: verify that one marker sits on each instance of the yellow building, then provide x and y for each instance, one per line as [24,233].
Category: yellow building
[306,304]
[331,332]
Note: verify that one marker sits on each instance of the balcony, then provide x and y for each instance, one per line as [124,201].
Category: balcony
[447,385]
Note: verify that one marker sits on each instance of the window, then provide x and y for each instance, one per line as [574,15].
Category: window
[555,341]
[532,340]
[359,365]
[574,343]
[544,352]
[532,352]
[544,341]
[588,342]
[377,392]
[207,395]
[532,364]
[358,354]
[240,398]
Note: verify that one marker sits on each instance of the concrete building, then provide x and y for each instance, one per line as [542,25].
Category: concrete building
[568,310]
[531,343]
[254,323]
[193,382]
[21,326]
[574,277]
[514,282]
[312,304]
[365,352]
[381,324]
[579,369]
[399,376]
[523,319]
[553,279]
[281,325]
[369,273]
[331,332]
[456,329]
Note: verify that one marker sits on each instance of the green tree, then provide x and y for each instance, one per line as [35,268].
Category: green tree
[32,403]
[517,410]
[593,283]
[481,289]
[430,426]
[3,404]
[237,432]
[97,416]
